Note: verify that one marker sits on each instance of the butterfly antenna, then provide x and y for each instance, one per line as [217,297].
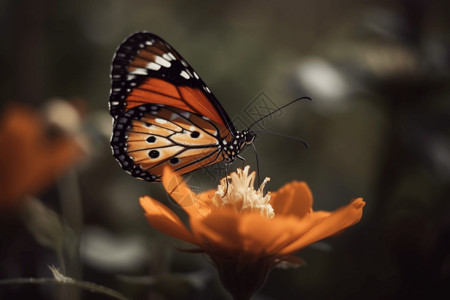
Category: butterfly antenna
[284,136]
[278,109]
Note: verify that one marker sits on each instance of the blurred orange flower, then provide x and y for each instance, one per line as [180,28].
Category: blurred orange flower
[30,157]
[245,232]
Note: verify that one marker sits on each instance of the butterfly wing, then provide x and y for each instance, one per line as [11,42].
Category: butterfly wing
[164,114]
[146,69]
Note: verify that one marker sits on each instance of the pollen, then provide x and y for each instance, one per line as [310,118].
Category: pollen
[240,194]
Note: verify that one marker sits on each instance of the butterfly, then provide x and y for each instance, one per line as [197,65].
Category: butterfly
[164,114]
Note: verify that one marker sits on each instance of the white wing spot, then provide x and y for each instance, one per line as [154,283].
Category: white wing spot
[205,118]
[153,66]
[184,63]
[185,114]
[160,121]
[196,76]
[166,56]
[161,61]
[171,55]
[184,74]
[149,43]
[173,116]
[189,72]
[207,89]
[140,71]
[131,77]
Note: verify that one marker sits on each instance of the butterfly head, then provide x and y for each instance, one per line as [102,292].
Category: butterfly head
[240,140]
[244,138]
[248,137]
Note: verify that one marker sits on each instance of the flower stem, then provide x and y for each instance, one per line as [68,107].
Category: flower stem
[241,274]
[85,285]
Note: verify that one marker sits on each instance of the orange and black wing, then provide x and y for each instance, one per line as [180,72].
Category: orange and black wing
[148,137]
[164,114]
[147,70]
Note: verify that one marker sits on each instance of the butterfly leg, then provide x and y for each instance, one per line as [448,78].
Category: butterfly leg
[257,163]
[226,177]
[243,160]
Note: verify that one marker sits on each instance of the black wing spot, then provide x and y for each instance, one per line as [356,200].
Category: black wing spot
[153,154]
[195,134]
[174,160]
[151,139]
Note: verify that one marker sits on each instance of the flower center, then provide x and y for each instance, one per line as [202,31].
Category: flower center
[240,194]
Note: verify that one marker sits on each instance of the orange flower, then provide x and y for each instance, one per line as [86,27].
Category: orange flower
[30,158]
[245,232]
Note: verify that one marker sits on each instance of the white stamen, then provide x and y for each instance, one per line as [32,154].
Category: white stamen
[241,195]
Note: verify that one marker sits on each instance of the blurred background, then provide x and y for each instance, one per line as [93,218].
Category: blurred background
[378,127]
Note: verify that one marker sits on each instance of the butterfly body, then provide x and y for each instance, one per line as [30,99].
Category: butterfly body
[164,114]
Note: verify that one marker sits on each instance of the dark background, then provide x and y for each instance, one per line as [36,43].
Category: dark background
[378,127]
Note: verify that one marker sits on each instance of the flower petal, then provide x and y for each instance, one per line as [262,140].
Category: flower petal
[29,158]
[261,235]
[206,195]
[204,204]
[329,224]
[271,236]
[177,188]
[250,232]
[220,229]
[165,220]
[294,198]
